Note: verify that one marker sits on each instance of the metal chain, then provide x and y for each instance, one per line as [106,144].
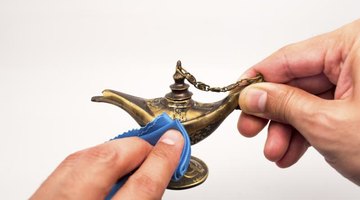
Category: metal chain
[205,87]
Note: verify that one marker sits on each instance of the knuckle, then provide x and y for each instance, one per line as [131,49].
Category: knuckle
[138,140]
[101,154]
[73,174]
[283,105]
[161,153]
[283,50]
[139,143]
[147,185]
[72,159]
[286,64]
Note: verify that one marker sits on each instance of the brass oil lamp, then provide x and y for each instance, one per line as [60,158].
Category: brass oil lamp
[199,119]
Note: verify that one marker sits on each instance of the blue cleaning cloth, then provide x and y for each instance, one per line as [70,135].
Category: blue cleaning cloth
[152,133]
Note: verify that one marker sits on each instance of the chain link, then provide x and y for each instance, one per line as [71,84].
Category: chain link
[205,87]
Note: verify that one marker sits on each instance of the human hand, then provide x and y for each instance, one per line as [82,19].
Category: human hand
[90,174]
[312,97]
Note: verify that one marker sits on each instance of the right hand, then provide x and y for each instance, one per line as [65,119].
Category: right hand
[312,97]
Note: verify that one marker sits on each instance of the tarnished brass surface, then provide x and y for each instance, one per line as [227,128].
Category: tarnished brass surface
[194,176]
[199,119]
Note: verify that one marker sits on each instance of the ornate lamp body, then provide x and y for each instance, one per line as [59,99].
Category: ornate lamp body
[199,119]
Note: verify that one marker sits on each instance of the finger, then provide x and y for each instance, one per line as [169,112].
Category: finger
[90,174]
[297,60]
[249,125]
[348,80]
[284,104]
[354,62]
[314,84]
[297,148]
[153,176]
[278,140]
[353,58]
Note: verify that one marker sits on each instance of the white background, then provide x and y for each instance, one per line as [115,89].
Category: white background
[56,55]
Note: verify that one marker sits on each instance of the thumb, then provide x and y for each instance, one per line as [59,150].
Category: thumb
[281,103]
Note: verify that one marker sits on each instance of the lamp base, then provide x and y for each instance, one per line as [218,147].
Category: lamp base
[194,176]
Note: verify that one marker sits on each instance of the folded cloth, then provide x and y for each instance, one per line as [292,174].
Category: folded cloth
[152,133]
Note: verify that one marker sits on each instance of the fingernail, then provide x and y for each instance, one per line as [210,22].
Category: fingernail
[171,137]
[255,100]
